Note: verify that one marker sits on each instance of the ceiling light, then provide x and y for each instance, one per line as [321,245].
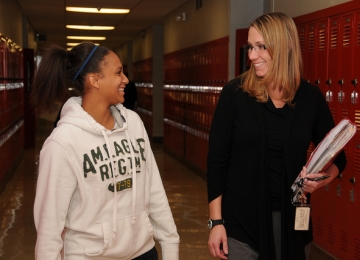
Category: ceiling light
[91,38]
[90,27]
[77,43]
[97,10]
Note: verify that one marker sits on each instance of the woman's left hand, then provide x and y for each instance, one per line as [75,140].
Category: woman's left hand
[314,181]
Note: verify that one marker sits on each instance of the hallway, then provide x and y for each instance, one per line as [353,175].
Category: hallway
[186,193]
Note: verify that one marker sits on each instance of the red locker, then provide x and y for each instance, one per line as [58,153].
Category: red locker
[354,157]
[343,97]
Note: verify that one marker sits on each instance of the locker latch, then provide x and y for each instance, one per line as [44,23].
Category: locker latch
[329,96]
[354,97]
[352,195]
[338,190]
[341,96]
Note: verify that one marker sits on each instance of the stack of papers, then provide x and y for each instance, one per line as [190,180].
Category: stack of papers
[324,153]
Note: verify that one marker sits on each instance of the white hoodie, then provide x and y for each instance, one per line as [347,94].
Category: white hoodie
[77,213]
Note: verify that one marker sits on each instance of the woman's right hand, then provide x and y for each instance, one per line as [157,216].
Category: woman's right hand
[218,242]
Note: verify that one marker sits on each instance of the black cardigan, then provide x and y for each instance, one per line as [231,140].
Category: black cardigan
[237,160]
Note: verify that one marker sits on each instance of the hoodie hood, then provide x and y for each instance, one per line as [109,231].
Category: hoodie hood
[73,113]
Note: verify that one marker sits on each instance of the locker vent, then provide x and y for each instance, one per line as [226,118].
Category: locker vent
[344,241]
[344,113]
[331,234]
[302,40]
[358,34]
[333,37]
[357,248]
[319,227]
[347,35]
[311,40]
[322,43]
[357,119]
[357,161]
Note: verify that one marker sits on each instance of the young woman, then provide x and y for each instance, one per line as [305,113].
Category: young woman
[99,193]
[263,125]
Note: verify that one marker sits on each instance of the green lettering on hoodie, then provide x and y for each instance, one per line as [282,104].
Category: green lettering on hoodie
[141,140]
[118,149]
[98,155]
[88,165]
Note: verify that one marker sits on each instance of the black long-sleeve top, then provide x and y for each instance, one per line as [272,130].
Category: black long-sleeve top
[236,167]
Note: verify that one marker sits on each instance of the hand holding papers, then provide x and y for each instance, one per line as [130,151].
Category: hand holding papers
[324,153]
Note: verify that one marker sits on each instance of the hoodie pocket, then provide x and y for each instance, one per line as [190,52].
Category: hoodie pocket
[129,238]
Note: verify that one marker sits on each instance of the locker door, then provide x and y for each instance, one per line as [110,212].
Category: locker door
[331,198]
[321,204]
[354,153]
[346,43]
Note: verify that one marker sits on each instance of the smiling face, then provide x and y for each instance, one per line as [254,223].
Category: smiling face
[113,80]
[261,59]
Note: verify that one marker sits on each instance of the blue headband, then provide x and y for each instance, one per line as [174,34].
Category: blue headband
[84,64]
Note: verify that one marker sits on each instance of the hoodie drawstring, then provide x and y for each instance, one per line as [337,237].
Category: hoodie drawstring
[114,183]
[133,203]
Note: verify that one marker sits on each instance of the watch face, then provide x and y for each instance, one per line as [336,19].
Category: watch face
[210,223]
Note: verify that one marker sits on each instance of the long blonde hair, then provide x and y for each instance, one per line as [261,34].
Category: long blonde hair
[285,69]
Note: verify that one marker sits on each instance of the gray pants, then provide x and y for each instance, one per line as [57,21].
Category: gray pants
[239,250]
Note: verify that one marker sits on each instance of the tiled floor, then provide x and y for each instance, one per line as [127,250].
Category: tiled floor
[185,189]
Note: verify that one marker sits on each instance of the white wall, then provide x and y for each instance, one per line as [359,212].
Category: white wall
[209,23]
[143,45]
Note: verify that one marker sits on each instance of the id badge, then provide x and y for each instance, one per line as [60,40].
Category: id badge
[302,217]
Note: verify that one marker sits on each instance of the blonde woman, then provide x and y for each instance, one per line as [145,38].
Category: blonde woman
[263,125]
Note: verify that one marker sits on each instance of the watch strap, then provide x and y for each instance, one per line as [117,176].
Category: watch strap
[215,222]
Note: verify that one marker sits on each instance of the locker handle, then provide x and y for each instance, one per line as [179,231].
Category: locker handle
[353,180]
[341,82]
[317,82]
[354,82]
[328,82]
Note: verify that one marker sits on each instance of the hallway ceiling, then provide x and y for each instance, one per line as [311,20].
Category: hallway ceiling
[50,18]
